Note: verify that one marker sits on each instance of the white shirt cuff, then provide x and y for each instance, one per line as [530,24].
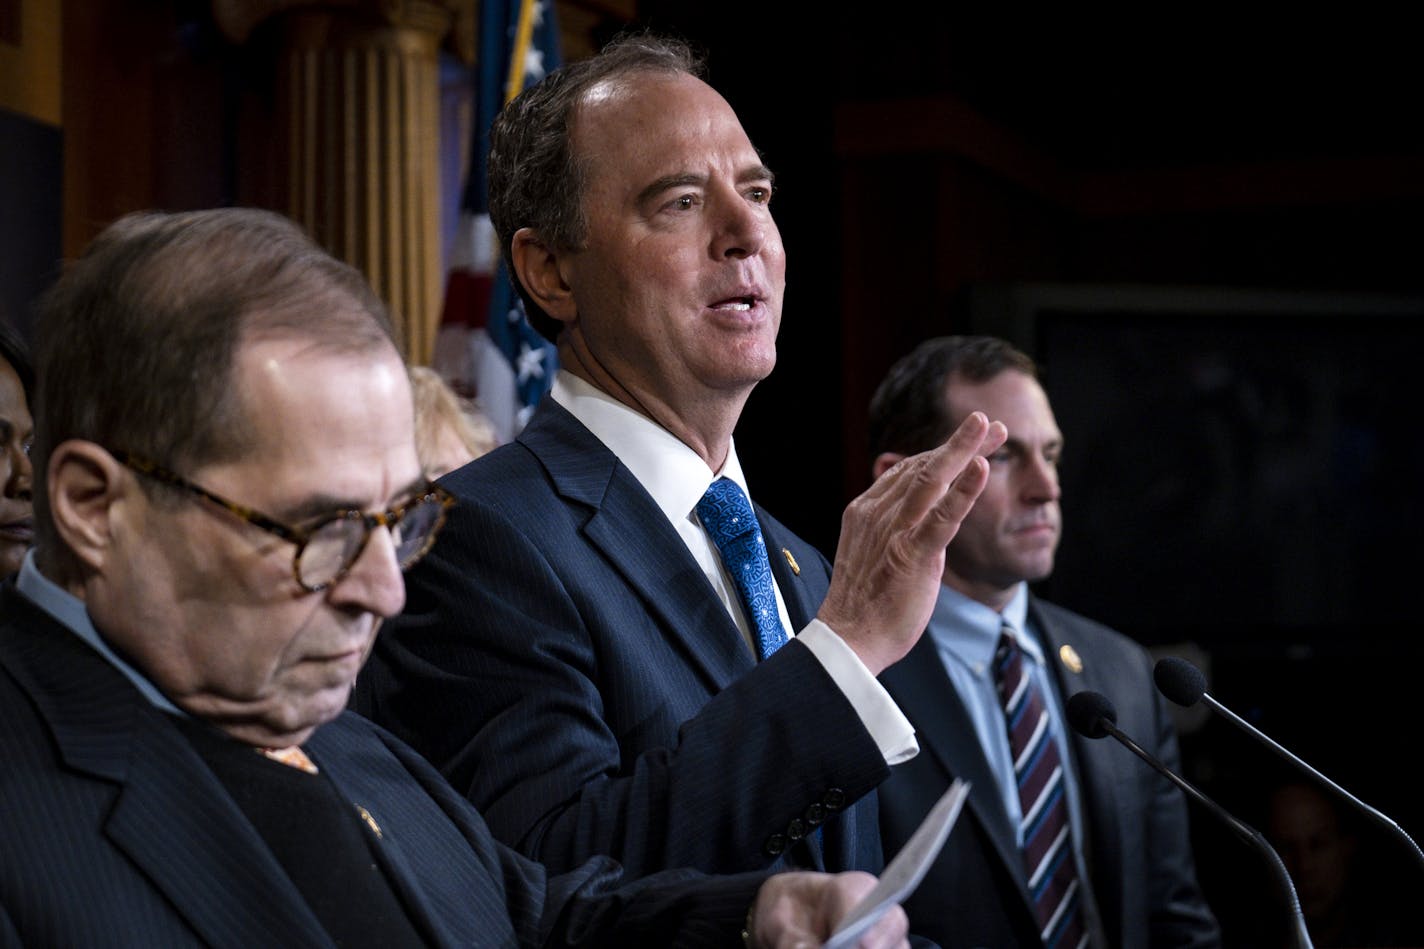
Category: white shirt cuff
[889,728]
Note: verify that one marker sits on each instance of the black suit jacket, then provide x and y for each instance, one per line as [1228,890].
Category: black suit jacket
[564,661]
[116,833]
[1142,876]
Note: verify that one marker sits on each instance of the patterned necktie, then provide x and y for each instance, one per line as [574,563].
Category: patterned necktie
[1047,838]
[733,527]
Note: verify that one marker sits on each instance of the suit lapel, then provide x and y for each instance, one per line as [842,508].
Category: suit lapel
[344,769]
[651,558]
[926,696]
[171,817]
[800,606]
[836,836]
[170,814]
[1096,777]
[1093,764]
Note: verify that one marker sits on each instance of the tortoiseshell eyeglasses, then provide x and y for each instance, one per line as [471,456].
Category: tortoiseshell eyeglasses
[328,549]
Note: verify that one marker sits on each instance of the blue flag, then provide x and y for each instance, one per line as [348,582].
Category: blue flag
[485,347]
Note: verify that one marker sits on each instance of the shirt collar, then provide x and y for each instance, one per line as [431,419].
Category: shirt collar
[969,630]
[69,611]
[670,471]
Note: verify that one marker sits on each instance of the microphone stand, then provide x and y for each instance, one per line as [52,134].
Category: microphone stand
[1092,715]
[1249,834]
[1290,758]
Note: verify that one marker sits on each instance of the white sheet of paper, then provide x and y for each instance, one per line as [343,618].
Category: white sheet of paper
[905,872]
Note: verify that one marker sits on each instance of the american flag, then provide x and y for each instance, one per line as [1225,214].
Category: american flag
[485,346]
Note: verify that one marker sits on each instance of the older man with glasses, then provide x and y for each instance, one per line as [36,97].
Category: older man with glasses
[228,491]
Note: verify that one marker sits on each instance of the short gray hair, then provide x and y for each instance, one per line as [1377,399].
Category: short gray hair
[135,343]
[535,179]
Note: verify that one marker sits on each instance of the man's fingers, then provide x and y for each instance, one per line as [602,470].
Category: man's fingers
[801,908]
[951,478]
[890,556]
[946,465]
[934,468]
[891,931]
[938,527]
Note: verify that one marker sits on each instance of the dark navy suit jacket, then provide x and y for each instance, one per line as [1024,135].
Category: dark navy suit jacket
[1138,847]
[564,661]
[116,833]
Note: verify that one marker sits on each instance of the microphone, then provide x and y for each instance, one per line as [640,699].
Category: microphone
[1092,715]
[1183,683]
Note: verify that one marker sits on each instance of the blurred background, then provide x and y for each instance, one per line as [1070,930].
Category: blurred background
[1205,226]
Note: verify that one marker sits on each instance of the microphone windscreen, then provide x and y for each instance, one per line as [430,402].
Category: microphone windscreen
[1088,710]
[1179,680]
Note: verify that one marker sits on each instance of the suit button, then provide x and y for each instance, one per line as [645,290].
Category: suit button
[796,830]
[775,845]
[834,799]
[815,815]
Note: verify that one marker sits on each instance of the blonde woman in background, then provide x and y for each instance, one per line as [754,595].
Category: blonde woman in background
[450,430]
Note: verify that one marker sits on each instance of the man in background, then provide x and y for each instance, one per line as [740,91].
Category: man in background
[1353,886]
[613,650]
[228,493]
[1065,841]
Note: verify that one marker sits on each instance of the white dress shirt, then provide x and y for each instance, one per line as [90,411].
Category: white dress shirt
[677,477]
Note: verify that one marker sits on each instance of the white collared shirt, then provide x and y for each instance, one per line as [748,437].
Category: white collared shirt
[677,477]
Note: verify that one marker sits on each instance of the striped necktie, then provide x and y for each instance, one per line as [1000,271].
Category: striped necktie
[732,524]
[1038,769]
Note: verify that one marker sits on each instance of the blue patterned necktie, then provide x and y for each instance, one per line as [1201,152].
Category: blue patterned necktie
[731,523]
[1047,838]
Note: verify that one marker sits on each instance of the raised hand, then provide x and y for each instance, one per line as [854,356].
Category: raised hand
[891,552]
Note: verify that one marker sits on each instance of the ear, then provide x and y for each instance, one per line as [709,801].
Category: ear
[884,462]
[537,267]
[85,483]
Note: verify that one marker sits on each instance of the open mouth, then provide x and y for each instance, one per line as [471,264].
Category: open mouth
[735,304]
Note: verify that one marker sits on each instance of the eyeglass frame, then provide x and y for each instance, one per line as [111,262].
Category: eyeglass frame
[296,535]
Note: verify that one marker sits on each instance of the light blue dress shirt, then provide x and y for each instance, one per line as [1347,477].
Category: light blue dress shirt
[70,612]
[965,634]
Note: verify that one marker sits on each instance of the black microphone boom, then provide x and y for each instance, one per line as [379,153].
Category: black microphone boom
[1092,715]
[1184,684]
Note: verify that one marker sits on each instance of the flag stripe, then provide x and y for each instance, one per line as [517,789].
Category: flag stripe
[485,346]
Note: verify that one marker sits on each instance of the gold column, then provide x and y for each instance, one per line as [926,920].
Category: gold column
[30,59]
[358,90]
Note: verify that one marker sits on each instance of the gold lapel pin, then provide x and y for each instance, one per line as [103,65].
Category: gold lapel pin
[370,821]
[795,567]
[1070,658]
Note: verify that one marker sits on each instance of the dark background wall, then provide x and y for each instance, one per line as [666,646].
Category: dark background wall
[29,192]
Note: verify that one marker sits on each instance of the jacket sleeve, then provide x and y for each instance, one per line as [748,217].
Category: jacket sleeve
[506,670]
[595,904]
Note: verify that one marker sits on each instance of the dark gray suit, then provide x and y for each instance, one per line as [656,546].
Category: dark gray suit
[116,833]
[563,659]
[1137,847]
